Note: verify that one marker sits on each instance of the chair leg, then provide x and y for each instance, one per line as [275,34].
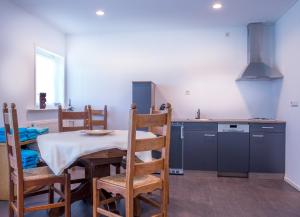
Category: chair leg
[67,192]
[96,198]
[164,204]
[20,204]
[129,205]
[51,194]
[137,207]
[10,211]
[11,199]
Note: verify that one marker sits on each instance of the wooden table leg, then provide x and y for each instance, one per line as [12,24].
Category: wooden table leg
[84,190]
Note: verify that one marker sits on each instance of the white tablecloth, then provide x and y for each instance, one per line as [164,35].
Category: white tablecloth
[60,150]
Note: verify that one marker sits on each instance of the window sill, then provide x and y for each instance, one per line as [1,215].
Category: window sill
[42,110]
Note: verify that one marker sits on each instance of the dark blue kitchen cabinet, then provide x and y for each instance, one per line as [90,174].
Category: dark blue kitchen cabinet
[200,146]
[267,148]
[233,154]
[143,95]
[176,149]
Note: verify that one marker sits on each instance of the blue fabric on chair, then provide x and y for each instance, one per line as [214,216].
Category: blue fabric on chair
[30,158]
[25,134]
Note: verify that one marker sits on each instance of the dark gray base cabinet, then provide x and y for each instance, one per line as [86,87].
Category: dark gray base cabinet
[200,147]
[176,147]
[267,152]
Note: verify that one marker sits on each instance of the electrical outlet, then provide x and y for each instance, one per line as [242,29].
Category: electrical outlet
[294,104]
[187,92]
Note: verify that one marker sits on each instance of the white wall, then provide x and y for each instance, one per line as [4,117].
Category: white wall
[288,61]
[204,61]
[20,32]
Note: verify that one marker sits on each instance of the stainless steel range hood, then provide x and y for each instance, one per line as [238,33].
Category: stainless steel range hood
[261,53]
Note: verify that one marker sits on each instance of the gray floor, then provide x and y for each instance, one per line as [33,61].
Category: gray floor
[195,195]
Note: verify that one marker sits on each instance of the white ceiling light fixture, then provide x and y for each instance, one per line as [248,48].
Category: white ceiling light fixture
[100,13]
[217,5]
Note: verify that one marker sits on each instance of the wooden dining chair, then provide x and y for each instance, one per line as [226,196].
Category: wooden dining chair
[78,120]
[138,179]
[29,182]
[98,114]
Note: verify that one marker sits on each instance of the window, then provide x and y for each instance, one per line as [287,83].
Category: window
[49,77]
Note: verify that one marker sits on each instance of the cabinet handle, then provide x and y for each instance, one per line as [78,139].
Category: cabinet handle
[181,132]
[258,136]
[267,127]
[209,135]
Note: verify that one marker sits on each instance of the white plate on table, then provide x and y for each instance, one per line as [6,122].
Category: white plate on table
[96,132]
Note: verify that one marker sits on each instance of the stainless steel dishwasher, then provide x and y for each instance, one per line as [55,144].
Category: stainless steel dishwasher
[233,150]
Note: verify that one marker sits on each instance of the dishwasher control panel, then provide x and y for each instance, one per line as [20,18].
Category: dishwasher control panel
[238,128]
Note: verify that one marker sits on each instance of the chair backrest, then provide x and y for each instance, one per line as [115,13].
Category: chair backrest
[79,120]
[162,142]
[10,119]
[95,114]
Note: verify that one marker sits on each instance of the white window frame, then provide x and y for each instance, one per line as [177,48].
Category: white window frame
[50,53]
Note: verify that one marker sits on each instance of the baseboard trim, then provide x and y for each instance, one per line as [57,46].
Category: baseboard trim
[291,183]
[272,176]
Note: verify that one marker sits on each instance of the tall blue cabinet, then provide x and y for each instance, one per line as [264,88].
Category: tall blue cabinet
[143,95]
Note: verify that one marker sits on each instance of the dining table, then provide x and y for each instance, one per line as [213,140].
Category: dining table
[61,151]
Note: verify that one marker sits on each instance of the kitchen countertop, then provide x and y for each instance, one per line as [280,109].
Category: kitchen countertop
[244,121]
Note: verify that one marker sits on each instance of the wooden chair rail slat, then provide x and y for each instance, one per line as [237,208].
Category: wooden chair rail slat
[107,213]
[44,181]
[150,144]
[155,120]
[98,122]
[141,169]
[159,131]
[74,115]
[43,207]
[147,188]
[68,129]
[157,215]
[31,194]
[98,112]
[108,201]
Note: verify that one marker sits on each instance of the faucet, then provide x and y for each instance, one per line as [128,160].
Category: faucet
[198,114]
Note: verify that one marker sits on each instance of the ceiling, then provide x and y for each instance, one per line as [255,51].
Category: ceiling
[78,16]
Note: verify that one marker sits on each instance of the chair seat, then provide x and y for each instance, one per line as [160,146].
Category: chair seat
[120,180]
[38,173]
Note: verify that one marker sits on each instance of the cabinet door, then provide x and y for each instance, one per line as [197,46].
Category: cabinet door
[176,148]
[233,152]
[200,150]
[267,152]
[142,96]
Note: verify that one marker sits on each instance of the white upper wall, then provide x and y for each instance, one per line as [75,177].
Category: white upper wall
[204,61]
[20,33]
[288,47]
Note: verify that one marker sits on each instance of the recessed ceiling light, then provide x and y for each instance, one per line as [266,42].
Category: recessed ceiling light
[99,13]
[217,5]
